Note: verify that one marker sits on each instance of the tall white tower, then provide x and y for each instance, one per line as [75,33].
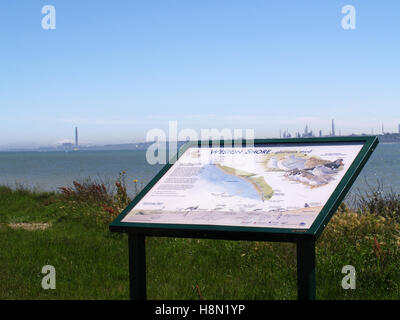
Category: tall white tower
[76,137]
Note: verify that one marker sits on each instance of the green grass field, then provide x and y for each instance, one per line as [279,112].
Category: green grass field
[92,263]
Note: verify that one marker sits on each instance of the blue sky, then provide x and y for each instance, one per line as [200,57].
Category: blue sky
[118,68]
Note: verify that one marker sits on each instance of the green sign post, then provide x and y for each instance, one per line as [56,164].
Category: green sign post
[263,190]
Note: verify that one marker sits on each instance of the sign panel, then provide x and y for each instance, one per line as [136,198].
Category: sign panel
[262,186]
[273,190]
[279,186]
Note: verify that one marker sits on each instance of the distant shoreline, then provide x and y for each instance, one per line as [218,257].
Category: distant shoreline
[389,138]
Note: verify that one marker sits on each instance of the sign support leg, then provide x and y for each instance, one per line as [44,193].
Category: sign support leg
[137,267]
[306,269]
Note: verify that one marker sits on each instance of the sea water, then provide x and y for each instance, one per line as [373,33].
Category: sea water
[47,171]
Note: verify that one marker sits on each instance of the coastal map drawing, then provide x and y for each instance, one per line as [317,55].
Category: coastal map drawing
[312,171]
[263,186]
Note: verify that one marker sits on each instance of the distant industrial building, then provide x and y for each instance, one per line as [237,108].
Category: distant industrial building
[306,133]
[286,134]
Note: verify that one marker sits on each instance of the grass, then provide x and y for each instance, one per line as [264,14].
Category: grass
[92,263]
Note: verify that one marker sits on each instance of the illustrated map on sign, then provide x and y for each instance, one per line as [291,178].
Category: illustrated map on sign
[273,186]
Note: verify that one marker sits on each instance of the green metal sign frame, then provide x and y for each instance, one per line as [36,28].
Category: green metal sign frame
[305,239]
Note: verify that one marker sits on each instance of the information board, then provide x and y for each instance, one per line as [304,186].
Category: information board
[271,185]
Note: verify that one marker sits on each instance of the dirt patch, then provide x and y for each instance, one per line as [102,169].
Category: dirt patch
[29,226]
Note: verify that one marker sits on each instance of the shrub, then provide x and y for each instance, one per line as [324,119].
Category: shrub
[88,191]
[379,201]
[110,198]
